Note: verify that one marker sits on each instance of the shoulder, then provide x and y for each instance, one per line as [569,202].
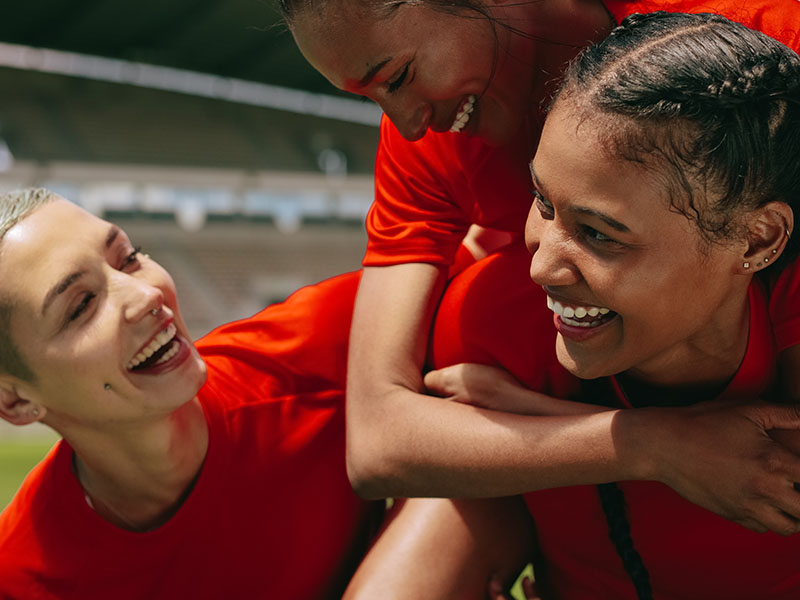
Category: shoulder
[298,345]
[493,313]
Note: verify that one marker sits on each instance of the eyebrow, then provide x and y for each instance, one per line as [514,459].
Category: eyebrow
[583,210]
[65,283]
[370,74]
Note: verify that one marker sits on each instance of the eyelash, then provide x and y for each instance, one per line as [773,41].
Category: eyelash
[395,85]
[85,301]
[89,296]
[132,257]
[590,234]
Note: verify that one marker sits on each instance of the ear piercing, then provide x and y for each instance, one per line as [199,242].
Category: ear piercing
[107,386]
[746,265]
[35,412]
[156,311]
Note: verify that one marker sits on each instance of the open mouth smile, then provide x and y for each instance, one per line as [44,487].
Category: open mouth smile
[581,316]
[158,350]
[463,114]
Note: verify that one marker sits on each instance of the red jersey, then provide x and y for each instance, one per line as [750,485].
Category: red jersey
[272,514]
[428,193]
[689,551]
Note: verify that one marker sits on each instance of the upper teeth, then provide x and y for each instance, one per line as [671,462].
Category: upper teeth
[463,114]
[575,311]
[161,338]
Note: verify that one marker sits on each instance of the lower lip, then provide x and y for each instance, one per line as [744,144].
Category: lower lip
[580,334]
[184,350]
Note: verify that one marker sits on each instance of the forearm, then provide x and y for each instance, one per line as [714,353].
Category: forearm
[408,444]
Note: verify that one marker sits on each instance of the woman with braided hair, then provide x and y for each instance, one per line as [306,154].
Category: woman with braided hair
[665,185]
[463,84]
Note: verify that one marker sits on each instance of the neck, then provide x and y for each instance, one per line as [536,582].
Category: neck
[137,476]
[698,368]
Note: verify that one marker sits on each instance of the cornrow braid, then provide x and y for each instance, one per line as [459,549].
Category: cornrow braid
[717,103]
[619,531]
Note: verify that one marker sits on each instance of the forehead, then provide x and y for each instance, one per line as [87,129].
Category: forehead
[345,39]
[39,248]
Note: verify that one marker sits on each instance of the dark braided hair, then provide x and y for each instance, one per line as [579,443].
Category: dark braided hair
[715,103]
[619,530]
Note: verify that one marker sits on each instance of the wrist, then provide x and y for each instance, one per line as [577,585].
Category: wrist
[638,435]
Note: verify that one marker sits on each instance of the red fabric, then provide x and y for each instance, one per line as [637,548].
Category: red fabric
[272,514]
[427,193]
[689,552]
[783,306]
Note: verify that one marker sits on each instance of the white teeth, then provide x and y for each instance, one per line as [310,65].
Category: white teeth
[463,115]
[568,312]
[161,339]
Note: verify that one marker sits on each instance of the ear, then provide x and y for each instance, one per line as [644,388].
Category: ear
[14,408]
[769,228]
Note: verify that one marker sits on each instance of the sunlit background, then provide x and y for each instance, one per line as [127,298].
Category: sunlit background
[198,127]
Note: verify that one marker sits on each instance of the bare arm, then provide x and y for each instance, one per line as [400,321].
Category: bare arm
[449,550]
[401,442]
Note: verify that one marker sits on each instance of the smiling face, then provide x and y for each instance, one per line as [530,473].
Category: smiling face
[87,308]
[425,68]
[632,284]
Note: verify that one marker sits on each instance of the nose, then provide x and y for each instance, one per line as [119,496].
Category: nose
[551,264]
[411,118]
[140,299]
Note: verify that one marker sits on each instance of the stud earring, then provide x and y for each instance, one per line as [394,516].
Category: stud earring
[766,259]
[774,250]
[35,412]
[156,311]
[107,386]
[746,265]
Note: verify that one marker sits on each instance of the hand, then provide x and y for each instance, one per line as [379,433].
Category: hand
[496,389]
[721,457]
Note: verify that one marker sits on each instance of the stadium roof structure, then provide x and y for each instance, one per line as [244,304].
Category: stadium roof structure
[176,83]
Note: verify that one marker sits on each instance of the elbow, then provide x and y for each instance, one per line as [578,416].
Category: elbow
[368,473]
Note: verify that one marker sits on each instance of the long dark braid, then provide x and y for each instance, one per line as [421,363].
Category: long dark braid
[716,104]
[619,530]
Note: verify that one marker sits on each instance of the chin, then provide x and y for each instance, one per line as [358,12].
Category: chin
[582,367]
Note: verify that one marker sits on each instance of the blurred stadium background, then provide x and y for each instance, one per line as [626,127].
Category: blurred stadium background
[199,128]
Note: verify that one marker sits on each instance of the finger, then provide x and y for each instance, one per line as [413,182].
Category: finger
[434,382]
[529,588]
[788,500]
[779,416]
[779,522]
